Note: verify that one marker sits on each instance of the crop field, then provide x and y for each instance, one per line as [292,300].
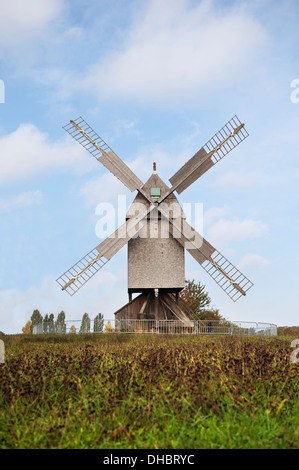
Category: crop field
[139,391]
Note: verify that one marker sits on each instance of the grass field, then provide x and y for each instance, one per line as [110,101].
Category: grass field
[142,391]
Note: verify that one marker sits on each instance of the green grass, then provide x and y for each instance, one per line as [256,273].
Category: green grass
[142,391]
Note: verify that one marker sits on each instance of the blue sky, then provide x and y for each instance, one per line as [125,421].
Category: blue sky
[156,79]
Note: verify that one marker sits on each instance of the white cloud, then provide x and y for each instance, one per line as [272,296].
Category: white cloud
[18,15]
[21,201]
[28,151]
[226,231]
[177,50]
[126,126]
[21,21]
[104,188]
[252,260]
[242,180]
[214,213]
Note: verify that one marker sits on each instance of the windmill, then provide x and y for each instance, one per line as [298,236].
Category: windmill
[156,231]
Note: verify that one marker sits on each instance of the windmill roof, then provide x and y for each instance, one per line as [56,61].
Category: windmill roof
[155,181]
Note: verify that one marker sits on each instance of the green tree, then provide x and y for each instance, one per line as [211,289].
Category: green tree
[198,301]
[60,325]
[46,324]
[98,323]
[211,314]
[85,324]
[36,319]
[51,323]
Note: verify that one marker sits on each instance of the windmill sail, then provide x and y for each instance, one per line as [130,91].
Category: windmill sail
[225,140]
[227,276]
[75,277]
[91,141]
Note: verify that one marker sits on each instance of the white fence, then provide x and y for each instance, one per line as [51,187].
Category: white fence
[199,327]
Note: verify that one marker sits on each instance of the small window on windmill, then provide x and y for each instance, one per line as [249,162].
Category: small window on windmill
[155,193]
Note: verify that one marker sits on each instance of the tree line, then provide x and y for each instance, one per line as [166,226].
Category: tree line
[48,324]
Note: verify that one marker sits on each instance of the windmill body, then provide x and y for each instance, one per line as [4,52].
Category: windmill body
[156,260]
[156,231]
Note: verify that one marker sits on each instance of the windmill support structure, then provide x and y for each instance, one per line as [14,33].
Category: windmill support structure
[148,306]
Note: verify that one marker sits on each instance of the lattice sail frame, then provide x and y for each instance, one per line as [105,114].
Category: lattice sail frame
[227,276]
[97,147]
[226,139]
[73,279]
[72,129]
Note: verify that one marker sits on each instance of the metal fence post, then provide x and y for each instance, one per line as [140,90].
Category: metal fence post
[2,352]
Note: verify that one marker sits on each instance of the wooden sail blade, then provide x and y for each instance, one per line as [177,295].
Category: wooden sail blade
[227,276]
[119,169]
[75,277]
[97,147]
[188,167]
[223,142]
